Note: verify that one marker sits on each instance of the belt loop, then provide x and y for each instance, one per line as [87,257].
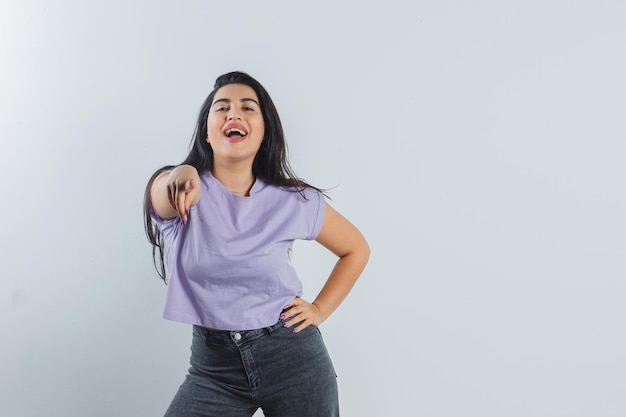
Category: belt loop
[271,329]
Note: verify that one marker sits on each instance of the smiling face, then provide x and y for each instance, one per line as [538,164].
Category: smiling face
[235,126]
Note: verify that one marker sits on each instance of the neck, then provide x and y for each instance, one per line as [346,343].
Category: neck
[238,180]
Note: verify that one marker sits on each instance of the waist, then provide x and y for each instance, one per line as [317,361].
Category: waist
[222,337]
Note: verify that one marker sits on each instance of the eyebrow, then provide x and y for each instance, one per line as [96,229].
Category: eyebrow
[241,100]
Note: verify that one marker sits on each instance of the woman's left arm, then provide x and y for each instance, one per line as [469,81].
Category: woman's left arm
[346,241]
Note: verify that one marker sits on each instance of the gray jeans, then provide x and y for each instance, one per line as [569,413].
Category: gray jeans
[233,373]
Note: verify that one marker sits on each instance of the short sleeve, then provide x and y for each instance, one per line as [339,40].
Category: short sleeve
[166,226]
[318,208]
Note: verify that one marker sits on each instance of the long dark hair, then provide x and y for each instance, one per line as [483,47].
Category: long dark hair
[270,163]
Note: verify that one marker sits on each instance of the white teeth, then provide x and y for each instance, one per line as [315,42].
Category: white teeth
[235,130]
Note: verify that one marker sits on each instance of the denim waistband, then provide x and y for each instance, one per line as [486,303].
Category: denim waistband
[228,337]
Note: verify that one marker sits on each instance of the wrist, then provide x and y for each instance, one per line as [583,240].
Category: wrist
[321,311]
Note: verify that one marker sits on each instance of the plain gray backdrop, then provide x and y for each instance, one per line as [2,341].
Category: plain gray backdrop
[480,146]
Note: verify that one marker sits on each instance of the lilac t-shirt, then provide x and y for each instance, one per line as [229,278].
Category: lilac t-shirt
[228,267]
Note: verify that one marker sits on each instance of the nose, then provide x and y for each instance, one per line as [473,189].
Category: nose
[233,114]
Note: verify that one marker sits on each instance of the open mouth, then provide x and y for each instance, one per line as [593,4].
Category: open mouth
[235,132]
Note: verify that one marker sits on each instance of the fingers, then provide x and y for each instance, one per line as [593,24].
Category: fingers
[300,315]
[178,197]
[180,206]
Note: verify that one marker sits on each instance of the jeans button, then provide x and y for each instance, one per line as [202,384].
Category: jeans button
[237,336]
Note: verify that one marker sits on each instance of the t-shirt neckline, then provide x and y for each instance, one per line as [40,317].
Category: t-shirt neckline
[257,185]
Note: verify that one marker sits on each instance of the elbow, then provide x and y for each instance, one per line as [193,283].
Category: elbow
[358,253]
[364,248]
[361,253]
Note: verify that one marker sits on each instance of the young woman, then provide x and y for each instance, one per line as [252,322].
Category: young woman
[222,223]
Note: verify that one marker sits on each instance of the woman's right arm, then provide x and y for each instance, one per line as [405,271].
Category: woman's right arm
[174,192]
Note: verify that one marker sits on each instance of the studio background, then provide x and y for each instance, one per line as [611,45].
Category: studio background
[479,146]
